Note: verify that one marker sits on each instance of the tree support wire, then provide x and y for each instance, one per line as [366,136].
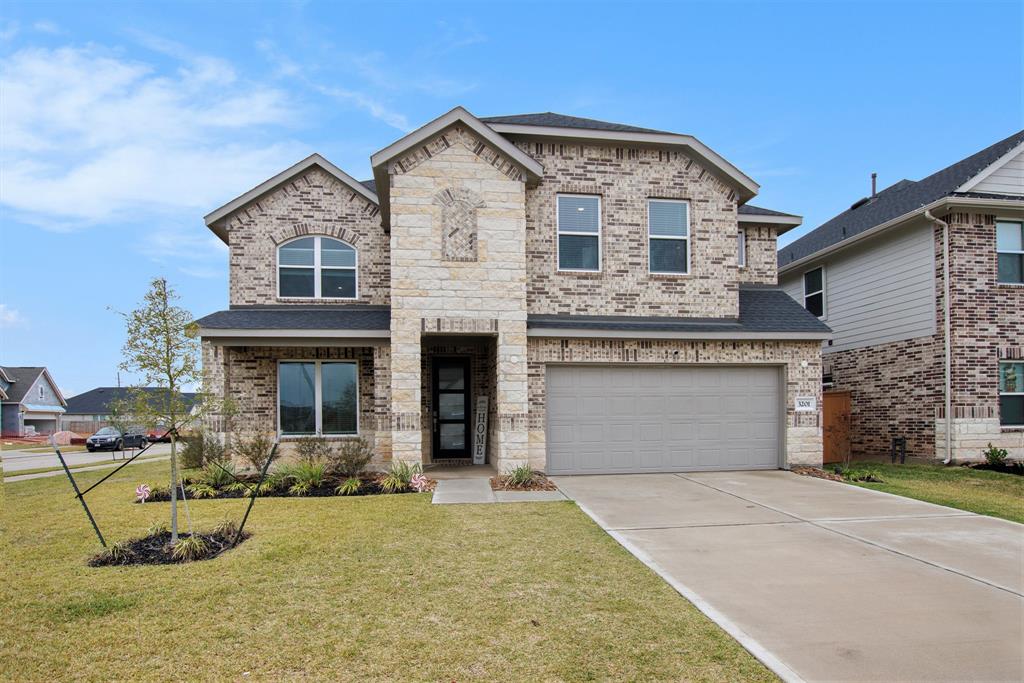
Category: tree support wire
[79,495]
[252,495]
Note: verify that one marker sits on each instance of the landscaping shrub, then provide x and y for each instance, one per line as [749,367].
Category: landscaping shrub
[350,457]
[519,477]
[189,548]
[995,456]
[399,477]
[218,475]
[255,449]
[313,449]
[116,553]
[349,487]
[202,448]
[305,477]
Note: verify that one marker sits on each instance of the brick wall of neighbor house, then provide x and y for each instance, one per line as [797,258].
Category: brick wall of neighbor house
[314,203]
[455,182]
[247,377]
[762,258]
[803,430]
[988,324]
[625,178]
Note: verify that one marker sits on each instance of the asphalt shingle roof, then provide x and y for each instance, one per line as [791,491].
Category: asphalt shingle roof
[22,379]
[762,309]
[552,119]
[751,210]
[300,318]
[370,185]
[97,401]
[896,200]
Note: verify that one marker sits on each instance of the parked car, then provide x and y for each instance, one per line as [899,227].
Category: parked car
[158,434]
[109,438]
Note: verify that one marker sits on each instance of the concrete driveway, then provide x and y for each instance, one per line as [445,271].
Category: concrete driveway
[824,581]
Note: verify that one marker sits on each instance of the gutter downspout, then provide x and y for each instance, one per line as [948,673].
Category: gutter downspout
[947,333]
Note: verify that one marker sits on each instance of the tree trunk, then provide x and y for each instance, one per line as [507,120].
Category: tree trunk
[174,489]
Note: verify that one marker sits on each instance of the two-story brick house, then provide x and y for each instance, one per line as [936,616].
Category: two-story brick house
[602,294]
[923,288]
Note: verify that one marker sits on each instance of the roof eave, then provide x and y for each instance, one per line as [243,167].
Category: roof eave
[784,223]
[746,186]
[598,333]
[216,220]
[942,202]
[531,167]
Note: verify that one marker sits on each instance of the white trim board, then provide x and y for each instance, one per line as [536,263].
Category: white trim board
[990,169]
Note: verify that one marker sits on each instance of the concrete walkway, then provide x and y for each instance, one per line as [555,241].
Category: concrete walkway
[478,490]
[824,581]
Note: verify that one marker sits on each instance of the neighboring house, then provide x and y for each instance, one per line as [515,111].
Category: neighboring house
[606,289]
[31,402]
[876,275]
[91,410]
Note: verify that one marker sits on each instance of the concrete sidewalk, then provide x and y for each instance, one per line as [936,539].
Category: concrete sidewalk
[824,581]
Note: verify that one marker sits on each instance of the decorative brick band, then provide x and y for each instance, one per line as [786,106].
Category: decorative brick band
[972,412]
[403,422]
[460,325]
[301,229]
[1011,352]
[453,136]
[512,422]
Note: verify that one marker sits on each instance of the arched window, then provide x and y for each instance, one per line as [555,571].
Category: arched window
[317,268]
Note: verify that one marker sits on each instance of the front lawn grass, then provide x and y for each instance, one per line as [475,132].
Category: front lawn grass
[381,587]
[986,493]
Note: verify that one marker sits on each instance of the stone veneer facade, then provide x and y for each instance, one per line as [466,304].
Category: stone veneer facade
[471,250]
[897,388]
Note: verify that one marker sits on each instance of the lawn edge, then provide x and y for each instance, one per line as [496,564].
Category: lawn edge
[748,642]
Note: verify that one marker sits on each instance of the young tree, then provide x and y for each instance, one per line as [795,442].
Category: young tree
[163,349]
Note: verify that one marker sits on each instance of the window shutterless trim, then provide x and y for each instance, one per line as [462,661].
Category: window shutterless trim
[1008,393]
[1020,226]
[689,264]
[317,398]
[317,269]
[741,248]
[824,300]
[559,232]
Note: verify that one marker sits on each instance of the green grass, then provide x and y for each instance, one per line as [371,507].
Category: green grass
[374,588]
[987,493]
[58,468]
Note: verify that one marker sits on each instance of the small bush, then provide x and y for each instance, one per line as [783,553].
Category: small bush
[350,457]
[519,477]
[201,490]
[116,553]
[995,456]
[349,487]
[313,449]
[399,477]
[225,528]
[189,548]
[306,477]
[255,449]
[864,474]
[158,529]
[217,474]
[202,448]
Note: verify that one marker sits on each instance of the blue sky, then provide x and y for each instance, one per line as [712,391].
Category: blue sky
[122,124]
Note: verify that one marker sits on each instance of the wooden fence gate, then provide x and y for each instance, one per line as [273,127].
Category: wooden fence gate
[836,432]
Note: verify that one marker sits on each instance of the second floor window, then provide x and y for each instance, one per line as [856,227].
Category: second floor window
[1010,245]
[741,257]
[579,232]
[668,236]
[316,268]
[814,291]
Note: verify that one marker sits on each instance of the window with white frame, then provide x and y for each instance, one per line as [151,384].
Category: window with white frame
[579,232]
[318,397]
[814,291]
[317,268]
[741,254]
[668,236]
[1010,248]
[1011,394]
[40,391]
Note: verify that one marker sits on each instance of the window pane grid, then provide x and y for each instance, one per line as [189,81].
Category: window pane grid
[579,233]
[668,231]
[317,268]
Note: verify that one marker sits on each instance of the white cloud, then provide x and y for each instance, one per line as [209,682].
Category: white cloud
[10,317]
[89,136]
[45,26]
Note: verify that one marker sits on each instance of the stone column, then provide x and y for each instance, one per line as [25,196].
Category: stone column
[406,438]
[382,403]
[511,447]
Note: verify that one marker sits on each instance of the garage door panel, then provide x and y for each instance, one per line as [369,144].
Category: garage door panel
[656,419]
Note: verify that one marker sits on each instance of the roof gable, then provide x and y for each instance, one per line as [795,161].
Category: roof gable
[215,220]
[902,199]
[23,379]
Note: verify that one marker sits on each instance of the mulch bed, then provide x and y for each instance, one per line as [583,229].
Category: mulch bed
[157,549]
[816,472]
[370,487]
[539,483]
[1006,468]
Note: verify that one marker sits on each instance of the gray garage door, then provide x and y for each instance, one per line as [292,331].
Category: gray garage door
[605,419]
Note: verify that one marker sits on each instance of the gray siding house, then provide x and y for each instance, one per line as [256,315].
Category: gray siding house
[30,402]
[924,343]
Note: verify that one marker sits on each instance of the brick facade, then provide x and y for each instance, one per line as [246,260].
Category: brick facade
[762,259]
[314,203]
